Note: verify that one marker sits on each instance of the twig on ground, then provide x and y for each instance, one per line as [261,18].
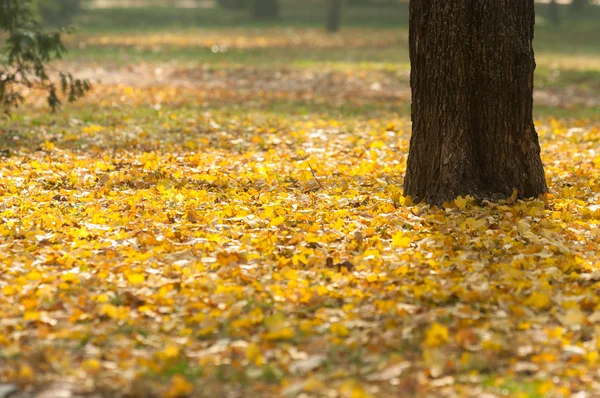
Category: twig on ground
[315,176]
[232,177]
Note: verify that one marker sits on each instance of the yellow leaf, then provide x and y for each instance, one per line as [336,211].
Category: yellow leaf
[377,144]
[135,279]
[110,311]
[48,146]
[491,345]
[592,357]
[179,387]
[102,298]
[523,226]
[573,317]
[277,221]
[436,335]
[31,316]
[524,326]
[387,208]
[9,290]
[282,334]
[290,274]
[69,277]
[371,253]
[400,240]
[351,389]
[171,351]
[91,365]
[339,330]
[278,328]
[25,372]
[34,276]
[461,203]
[538,300]
[545,387]
[313,384]
[513,197]
[476,224]
[253,354]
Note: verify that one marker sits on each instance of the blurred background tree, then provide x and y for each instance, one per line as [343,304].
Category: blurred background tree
[577,6]
[25,56]
[58,12]
[334,16]
[265,9]
[233,4]
[554,12]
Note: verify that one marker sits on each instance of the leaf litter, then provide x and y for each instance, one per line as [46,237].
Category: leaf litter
[163,252]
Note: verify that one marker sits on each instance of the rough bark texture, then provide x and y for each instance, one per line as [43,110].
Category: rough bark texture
[265,9]
[334,15]
[472,67]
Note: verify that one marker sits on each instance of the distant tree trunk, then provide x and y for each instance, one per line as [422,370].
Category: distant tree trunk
[334,15]
[554,12]
[233,4]
[577,6]
[265,9]
[472,65]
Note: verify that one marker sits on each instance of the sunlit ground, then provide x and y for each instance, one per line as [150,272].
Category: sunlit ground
[222,216]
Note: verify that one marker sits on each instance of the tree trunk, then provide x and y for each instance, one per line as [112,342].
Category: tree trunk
[577,6]
[472,67]
[334,15]
[265,10]
[554,14]
[233,4]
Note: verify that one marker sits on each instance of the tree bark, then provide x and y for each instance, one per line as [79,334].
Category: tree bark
[472,66]
[265,10]
[334,16]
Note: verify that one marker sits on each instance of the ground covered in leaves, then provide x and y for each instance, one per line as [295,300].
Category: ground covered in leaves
[249,238]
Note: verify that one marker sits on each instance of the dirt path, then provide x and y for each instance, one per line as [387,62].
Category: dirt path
[146,3]
[371,84]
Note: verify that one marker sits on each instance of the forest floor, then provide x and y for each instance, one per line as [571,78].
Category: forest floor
[222,216]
